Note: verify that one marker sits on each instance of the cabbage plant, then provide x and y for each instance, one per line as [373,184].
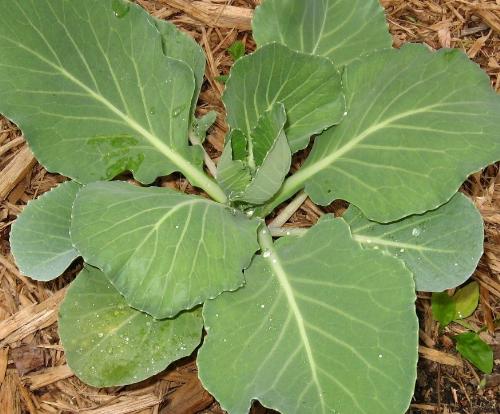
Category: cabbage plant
[305,321]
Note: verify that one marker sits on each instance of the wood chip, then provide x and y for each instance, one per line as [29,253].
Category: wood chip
[4,361]
[10,400]
[215,15]
[190,398]
[11,144]
[26,396]
[15,171]
[440,357]
[426,407]
[490,18]
[30,319]
[126,405]
[48,376]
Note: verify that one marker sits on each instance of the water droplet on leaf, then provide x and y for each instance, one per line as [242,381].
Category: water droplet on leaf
[120,8]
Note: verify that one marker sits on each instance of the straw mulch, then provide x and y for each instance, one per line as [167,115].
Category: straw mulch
[34,377]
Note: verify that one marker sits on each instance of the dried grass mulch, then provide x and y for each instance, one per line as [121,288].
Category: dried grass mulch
[33,375]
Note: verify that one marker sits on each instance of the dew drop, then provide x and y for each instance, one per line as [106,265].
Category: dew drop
[456,264]
[120,8]
[100,334]
[177,226]
[288,233]
[262,306]
[368,241]
[375,247]
[402,250]
[345,113]
[250,213]
[380,355]
[152,110]
[266,253]
[416,232]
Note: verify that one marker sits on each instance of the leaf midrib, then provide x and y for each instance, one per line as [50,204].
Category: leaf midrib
[366,239]
[299,179]
[351,144]
[275,264]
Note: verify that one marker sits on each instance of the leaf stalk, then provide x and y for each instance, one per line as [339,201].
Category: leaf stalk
[212,168]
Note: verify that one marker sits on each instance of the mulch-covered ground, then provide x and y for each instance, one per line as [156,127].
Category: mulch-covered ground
[33,375]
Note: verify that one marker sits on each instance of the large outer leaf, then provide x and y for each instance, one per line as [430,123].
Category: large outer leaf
[419,122]
[163,250]
[322,326]
[108,343]
[338,29]
[93,92]
[441,247]
[308,86]
[39,238]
